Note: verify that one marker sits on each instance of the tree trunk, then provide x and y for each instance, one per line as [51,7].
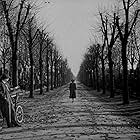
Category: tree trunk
[31,75]
[94,80]
[58,79]
[31,81]
[47,67]
[52,76]
[125,75]
[97,78]
[30,46]
[55,75]
[14,68]
[103,76]
[111,73]
[91,80]
[41,70]
[86,78]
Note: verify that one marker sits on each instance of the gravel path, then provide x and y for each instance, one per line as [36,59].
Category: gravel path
[53,116]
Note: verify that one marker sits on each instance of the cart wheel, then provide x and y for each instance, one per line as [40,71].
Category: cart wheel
[19,114]
[1,121]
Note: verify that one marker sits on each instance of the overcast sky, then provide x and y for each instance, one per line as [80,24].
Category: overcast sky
[70,22]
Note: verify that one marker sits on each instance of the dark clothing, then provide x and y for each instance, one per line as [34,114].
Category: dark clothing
[4,107]
[7,112]
[72,88]
[2,93]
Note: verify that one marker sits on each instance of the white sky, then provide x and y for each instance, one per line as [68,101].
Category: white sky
[70,22]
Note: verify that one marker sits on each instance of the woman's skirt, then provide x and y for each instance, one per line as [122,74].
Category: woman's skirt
[72,95]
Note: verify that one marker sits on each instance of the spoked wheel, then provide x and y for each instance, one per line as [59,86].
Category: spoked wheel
[19,114]
[1,120]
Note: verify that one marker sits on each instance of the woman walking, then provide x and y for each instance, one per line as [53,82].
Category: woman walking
[72,89]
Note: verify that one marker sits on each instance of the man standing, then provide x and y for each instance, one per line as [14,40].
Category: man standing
[72,89]
[6,104]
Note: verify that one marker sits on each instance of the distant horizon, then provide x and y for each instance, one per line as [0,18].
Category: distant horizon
[70,22]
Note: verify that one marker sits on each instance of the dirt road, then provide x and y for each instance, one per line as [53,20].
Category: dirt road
[53,116]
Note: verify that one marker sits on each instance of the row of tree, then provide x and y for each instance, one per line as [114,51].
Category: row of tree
[27,49]
[114,56]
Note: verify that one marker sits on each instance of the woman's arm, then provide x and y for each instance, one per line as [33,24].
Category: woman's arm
[75,86]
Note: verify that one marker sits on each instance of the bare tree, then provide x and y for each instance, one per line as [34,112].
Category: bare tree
[15,21]
[51,65]
[30,33]
[57,58]
[4,49]
[48,44]
[125,27]
[42,47]
[109,31]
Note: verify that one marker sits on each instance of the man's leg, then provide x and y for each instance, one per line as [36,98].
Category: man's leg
[5,112]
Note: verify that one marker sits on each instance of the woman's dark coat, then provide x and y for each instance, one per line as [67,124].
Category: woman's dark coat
[72,89]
